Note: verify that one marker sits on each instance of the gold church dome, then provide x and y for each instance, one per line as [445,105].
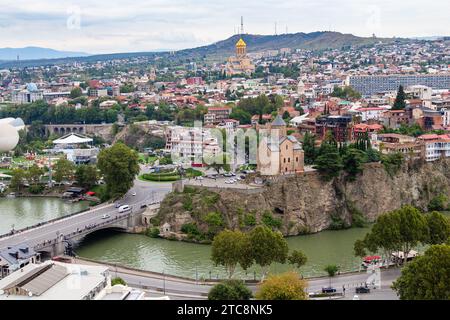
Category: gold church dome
[241,43]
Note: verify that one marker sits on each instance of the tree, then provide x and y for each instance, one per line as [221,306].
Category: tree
[353,162]
[63,170]
[359,249]
[398,230]
[399,103]
[427,277]
[297,258]
[17,177]
[328,161]
[118,280]
[75,93]
[230,248]
[309,147]
[218,162]
[267,246]
[86,175]
[438,228]
[34,173]
[286,286]
[230,290]
[119,165]
[331,269]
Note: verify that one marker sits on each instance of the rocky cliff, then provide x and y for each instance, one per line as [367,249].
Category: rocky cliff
[305,203]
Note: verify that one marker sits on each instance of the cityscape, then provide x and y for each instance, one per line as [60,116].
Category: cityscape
[296,164]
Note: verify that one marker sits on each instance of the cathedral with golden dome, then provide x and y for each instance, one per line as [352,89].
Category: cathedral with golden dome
[240,63]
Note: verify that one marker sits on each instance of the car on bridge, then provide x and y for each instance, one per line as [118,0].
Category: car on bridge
[124,208]
[106,216]
[362,290]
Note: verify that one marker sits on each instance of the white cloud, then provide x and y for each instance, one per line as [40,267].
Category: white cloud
[119,26]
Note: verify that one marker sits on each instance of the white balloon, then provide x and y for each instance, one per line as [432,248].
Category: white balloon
[9,137]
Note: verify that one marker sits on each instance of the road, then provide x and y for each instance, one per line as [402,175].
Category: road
[146,192]
[179,288]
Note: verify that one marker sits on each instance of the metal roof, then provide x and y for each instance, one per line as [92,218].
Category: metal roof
[40,279]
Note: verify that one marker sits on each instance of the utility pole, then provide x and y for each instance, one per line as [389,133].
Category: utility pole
[275,28]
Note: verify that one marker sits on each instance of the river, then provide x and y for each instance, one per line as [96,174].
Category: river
[24,212]
[193,260]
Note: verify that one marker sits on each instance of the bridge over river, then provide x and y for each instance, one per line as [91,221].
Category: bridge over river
[52,237]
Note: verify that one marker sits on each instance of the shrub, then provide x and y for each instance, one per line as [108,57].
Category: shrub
[36,189]
[118,280]
[230,290]
[153,232]
[214,219]
[270,221]
[438,203]
[337,223]
[190,229]
[250,219]
[187,203]
[286,286]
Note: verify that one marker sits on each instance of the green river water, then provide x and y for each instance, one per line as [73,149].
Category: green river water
[172,257]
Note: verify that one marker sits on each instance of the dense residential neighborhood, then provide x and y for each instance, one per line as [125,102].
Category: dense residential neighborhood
[234,171]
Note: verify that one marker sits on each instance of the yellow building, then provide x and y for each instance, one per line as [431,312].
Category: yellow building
[239,63]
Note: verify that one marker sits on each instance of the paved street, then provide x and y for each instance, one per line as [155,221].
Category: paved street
[178,288]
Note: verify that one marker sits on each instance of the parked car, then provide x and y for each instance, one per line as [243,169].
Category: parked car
[328,290]
[134,193]
[362,290]
[117,205]
[106,216]
[199,178]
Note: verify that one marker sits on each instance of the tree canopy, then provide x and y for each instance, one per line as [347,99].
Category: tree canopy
[286,286]
[119,166]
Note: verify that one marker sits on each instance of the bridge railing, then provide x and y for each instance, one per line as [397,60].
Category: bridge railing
[42,223]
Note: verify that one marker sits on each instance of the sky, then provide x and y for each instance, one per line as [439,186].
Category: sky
[107,26]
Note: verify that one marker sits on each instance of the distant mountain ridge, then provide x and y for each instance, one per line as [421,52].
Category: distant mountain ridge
[218,51]
[32,53]
[311,41]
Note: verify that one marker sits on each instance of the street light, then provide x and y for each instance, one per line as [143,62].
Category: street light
[164,282]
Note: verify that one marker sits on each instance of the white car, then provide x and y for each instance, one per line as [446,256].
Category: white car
[133,194]
[355,297]
[106,216]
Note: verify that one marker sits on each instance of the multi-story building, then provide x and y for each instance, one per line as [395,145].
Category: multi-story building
[340,127]
[216,115]
[368,85]
[436,146]
[396,143]
[191,145]
[28,95]
[395,118]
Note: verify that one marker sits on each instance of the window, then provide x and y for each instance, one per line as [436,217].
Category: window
[284,160]
[287,147]
[296,159]
[289,160]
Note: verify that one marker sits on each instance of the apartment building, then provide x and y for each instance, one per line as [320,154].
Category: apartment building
[436,146]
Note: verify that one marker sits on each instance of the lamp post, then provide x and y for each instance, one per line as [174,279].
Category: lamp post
[164,282]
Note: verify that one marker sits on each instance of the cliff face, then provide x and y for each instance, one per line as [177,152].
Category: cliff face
[306,203]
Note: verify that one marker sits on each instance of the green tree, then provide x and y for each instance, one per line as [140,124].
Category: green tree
[86,175]
[399,103]
[230,290]
[427,277]
[17,178]
[230,248]
[331,270]
[285,286]
[75,93]
[359,249]
[309,147]
[63,170]
[267,247]
[438,228]
[297,258]
[119,166]
[353,162]
[328,161]
[34,174]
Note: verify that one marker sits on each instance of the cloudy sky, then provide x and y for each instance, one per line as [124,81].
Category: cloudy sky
[104,26]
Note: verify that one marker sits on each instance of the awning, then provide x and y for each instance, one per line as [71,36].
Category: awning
[72,139]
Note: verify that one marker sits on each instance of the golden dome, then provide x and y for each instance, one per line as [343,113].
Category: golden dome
[241,43]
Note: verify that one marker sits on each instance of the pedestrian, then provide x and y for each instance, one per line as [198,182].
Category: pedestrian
[343,289]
